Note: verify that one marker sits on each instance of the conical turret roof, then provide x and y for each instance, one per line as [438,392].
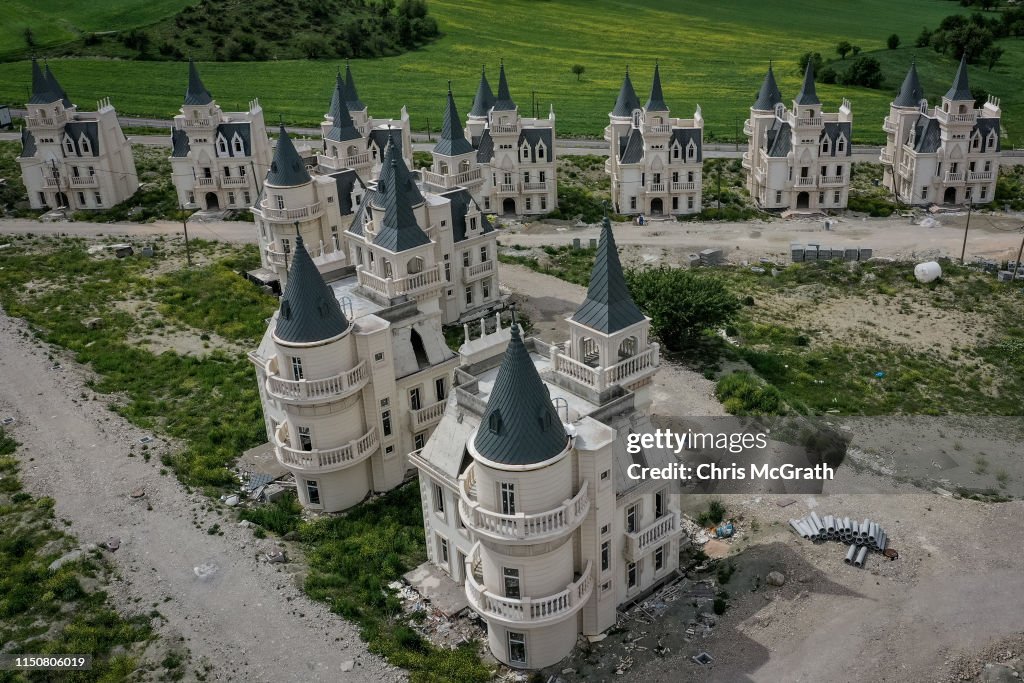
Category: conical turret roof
[309,310]
[769,95]
[484,99]
[504,101]
[961,89]
[808,95]
[342,127]
[196,93]
[627,101]
[42,90]
[351,94]
[609,307]
[55,86]
[911,93]
[520,426]
[453,140]
[656,102]
[397,195]
[287,168]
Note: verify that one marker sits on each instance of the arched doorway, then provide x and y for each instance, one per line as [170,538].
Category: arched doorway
[657,206]
[211,201]
[950,196]
[803,200]
[418,350]
[508,206]
[62,200]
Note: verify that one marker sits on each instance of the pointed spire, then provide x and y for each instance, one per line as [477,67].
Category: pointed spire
[484,99]
[656,102]
[520,425]
[396,195]
[807,93]
[911,93]
[287,168]
[769,95]
[609,307]
[504,101]
[309,310]
[961,89]
[196,93]
[342,127]
[55,86]
[452,141]
[627,101]
[41,90]
[351,95]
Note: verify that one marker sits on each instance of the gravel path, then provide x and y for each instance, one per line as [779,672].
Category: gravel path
[247,619]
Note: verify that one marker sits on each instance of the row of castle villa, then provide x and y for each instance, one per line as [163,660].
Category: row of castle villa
[797,158]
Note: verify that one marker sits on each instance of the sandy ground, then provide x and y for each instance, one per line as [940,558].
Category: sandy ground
[247,619]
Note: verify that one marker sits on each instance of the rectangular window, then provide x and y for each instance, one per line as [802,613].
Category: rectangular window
[606,556]
[419,441]
[248,198]
[529,203]
[543,176]
[279,199]
[312,492]
[335,237]
[984,192]
[441,388]
[438,498]
[605,529]
[508,498]
[469,295]
[98,197]
[778,196]
[227,171]
[821,198]
[483,255]
[689,202]
[675,203]
[241,171]
[92,170]
[389,451]
[606,475]
[231,198]
[526,176]
[297,368]
[447,272]
[924,193]
[378,357]
[632,202]
[632,519]
[81,199]
[414,399]
[485,288]
[659,504]
[286,245]
[835,196]
[659,558]
[516,647]
[487,203]
[305,439]
[444,550]
[824,171]
[543,202]
[191,197]
[631,575]
[511,580]
[466,258]
[606,586]
[385,420]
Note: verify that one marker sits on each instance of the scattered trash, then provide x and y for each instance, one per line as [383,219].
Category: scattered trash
[348,665]
[6,421]
[725,530]
[246,524]
[703,658]
[112,544]
[928,271]
[880,374]
[145,439]
[93,323]
[277,557]
[205,571]
[231,501]
[598,638]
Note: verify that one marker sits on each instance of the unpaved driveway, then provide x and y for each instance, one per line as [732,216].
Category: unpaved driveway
[247,620]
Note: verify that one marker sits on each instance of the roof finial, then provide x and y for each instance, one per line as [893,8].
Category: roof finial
[512,311]
[449,86]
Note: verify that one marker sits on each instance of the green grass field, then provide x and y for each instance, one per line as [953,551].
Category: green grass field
[712,54]
[54,22]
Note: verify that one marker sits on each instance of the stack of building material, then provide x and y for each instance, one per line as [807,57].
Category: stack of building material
[860,536]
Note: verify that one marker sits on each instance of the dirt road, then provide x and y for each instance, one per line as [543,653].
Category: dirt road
[241,615]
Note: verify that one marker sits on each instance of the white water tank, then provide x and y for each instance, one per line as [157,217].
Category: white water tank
[927,271]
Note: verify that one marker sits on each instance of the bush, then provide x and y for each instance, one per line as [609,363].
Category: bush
[743,394]
[682,304]
[893,42]
[865,72]
[720,606]
[713,515]
[576,202]
[873,206]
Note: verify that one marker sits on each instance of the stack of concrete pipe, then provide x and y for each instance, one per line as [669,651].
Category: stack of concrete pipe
[860,536]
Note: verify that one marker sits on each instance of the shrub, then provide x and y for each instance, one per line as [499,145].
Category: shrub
[893,41]
[743,394]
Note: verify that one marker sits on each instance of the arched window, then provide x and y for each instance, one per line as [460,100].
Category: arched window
[418,349]
[494,422]
[415,265]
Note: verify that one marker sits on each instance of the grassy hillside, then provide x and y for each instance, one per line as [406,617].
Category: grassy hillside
[54,22]
[712,54]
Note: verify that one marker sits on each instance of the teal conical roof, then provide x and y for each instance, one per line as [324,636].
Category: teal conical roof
[397,195]
[808,94]
[484,99]
[627,101]
[656,102]
[342,126]
[911,93]
[769,95]
[453,140]
[287,168]
[520,425]
[309,310]
[196,93]
[504,101]
[961,89]
[609,307]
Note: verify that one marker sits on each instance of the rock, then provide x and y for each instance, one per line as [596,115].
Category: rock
[998,673]
[348,665]
[64,559]
[277,558]
[112,543]
[246,524]
[291,536]
[775,579]
[137,493]
[231,501]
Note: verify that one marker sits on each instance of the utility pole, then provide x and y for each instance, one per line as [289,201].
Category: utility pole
[184,225]
[963,250]
[1020,252]
[719,191]
[736,120]
[428,130]
[895,186]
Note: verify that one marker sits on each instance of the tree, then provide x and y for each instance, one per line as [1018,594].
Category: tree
[992,55]
[844,48]
[578,69]
[925,38]
[856,50]
[893,41]
[682,304]
[30,37]
[864,71]
[814,58]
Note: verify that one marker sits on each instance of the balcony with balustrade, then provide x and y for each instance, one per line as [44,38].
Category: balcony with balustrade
[505,128]
[967,119]
[805,121]
[470,178]
[477,271]
[53,121]
[888,125]
[684,187]
[520,528]
[656,187]
[536,186]
[234,180]
[644,541]
[322,460]
[958,178]
[84,181]
[980,176]
[508,188]
[426,416]
[657,129]
[831,180]
[625,372]
[808,181]
[206,182]
[525,612]
[308,212]
[309,391]
[51,181]
[885,156]
[411,285]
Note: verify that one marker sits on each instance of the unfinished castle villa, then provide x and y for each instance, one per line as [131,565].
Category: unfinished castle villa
[947,154]
[72,159]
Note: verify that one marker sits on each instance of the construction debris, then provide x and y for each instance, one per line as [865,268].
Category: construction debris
[859,536]
[703,658]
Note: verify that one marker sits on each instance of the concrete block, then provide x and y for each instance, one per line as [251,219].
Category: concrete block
[850,254]
[576,242]
[796,252]
[811,252]
[593,243]
[865,254]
